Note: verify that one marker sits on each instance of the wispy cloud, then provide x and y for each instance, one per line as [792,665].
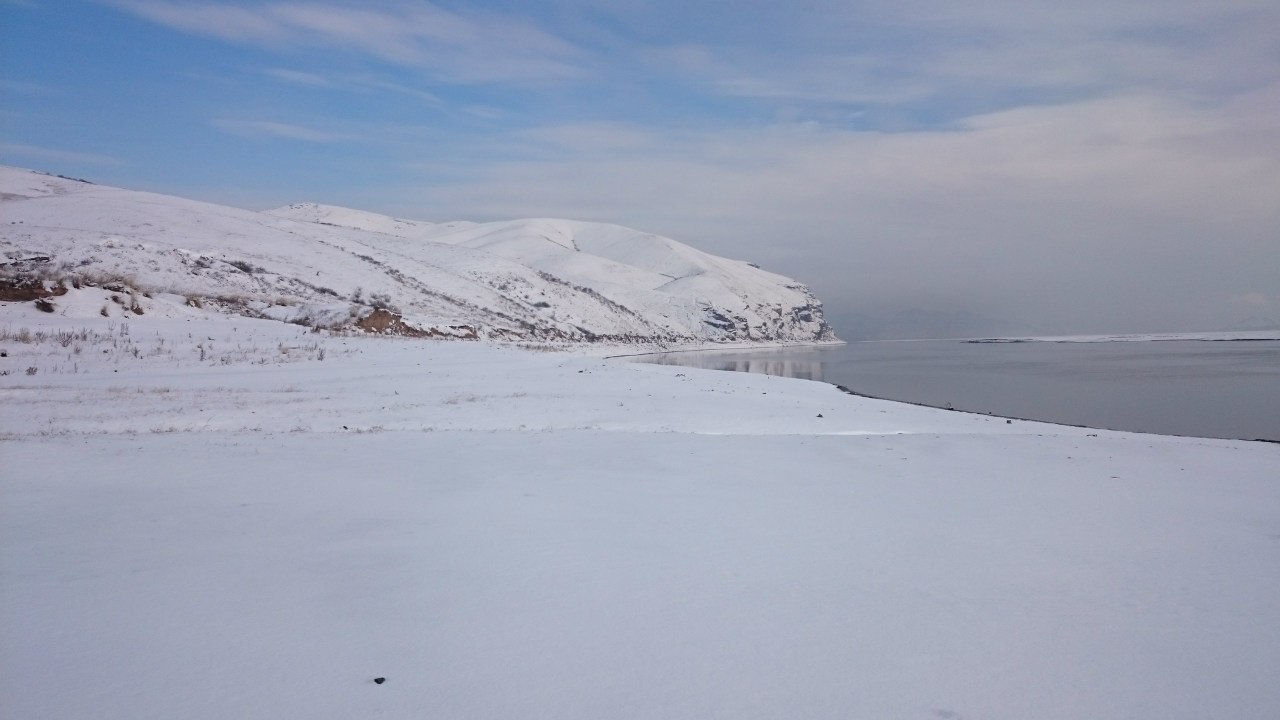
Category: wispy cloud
[43,154]
[266,128]
[220,20]
[297,77]
[350,83]
[966,56]
[463,47]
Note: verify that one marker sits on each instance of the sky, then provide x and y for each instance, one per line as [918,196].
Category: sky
[930,169]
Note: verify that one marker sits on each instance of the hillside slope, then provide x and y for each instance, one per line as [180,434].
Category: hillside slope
[527,280]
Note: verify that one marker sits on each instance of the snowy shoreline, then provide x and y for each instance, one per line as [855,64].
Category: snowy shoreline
[857,393]
[718,347]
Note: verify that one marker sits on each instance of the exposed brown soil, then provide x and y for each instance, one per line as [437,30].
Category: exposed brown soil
[23,289]
[385,322]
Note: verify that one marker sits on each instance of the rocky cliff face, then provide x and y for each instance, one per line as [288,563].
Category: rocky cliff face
[522,280]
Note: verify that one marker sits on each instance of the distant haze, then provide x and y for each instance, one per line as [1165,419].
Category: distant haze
[929,169]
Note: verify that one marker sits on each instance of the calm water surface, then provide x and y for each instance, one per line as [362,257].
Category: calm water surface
[1206,389]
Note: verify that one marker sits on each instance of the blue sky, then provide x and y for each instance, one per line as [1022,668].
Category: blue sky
[1037,165]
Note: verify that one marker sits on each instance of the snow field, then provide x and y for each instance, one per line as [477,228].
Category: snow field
[503,533]
[183,369]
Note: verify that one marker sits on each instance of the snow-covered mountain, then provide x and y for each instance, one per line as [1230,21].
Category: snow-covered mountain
[537,280]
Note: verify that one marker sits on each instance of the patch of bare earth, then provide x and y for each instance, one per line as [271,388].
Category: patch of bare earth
[22,289]
[385,322]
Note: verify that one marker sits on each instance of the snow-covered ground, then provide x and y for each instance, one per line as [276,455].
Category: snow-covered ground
[205,516]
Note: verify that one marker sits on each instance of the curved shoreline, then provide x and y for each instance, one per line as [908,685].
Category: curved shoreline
[849,391]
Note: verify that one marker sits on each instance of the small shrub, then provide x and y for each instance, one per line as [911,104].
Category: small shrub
[32,370]
[382,301]
[44,305]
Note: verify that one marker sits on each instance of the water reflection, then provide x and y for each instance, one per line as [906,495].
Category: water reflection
[808,368]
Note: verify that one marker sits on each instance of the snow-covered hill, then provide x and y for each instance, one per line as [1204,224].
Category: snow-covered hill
[528,280]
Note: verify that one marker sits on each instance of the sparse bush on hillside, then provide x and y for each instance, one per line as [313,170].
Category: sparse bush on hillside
[245,266]
[113,281]
[232,303]
[382,301]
